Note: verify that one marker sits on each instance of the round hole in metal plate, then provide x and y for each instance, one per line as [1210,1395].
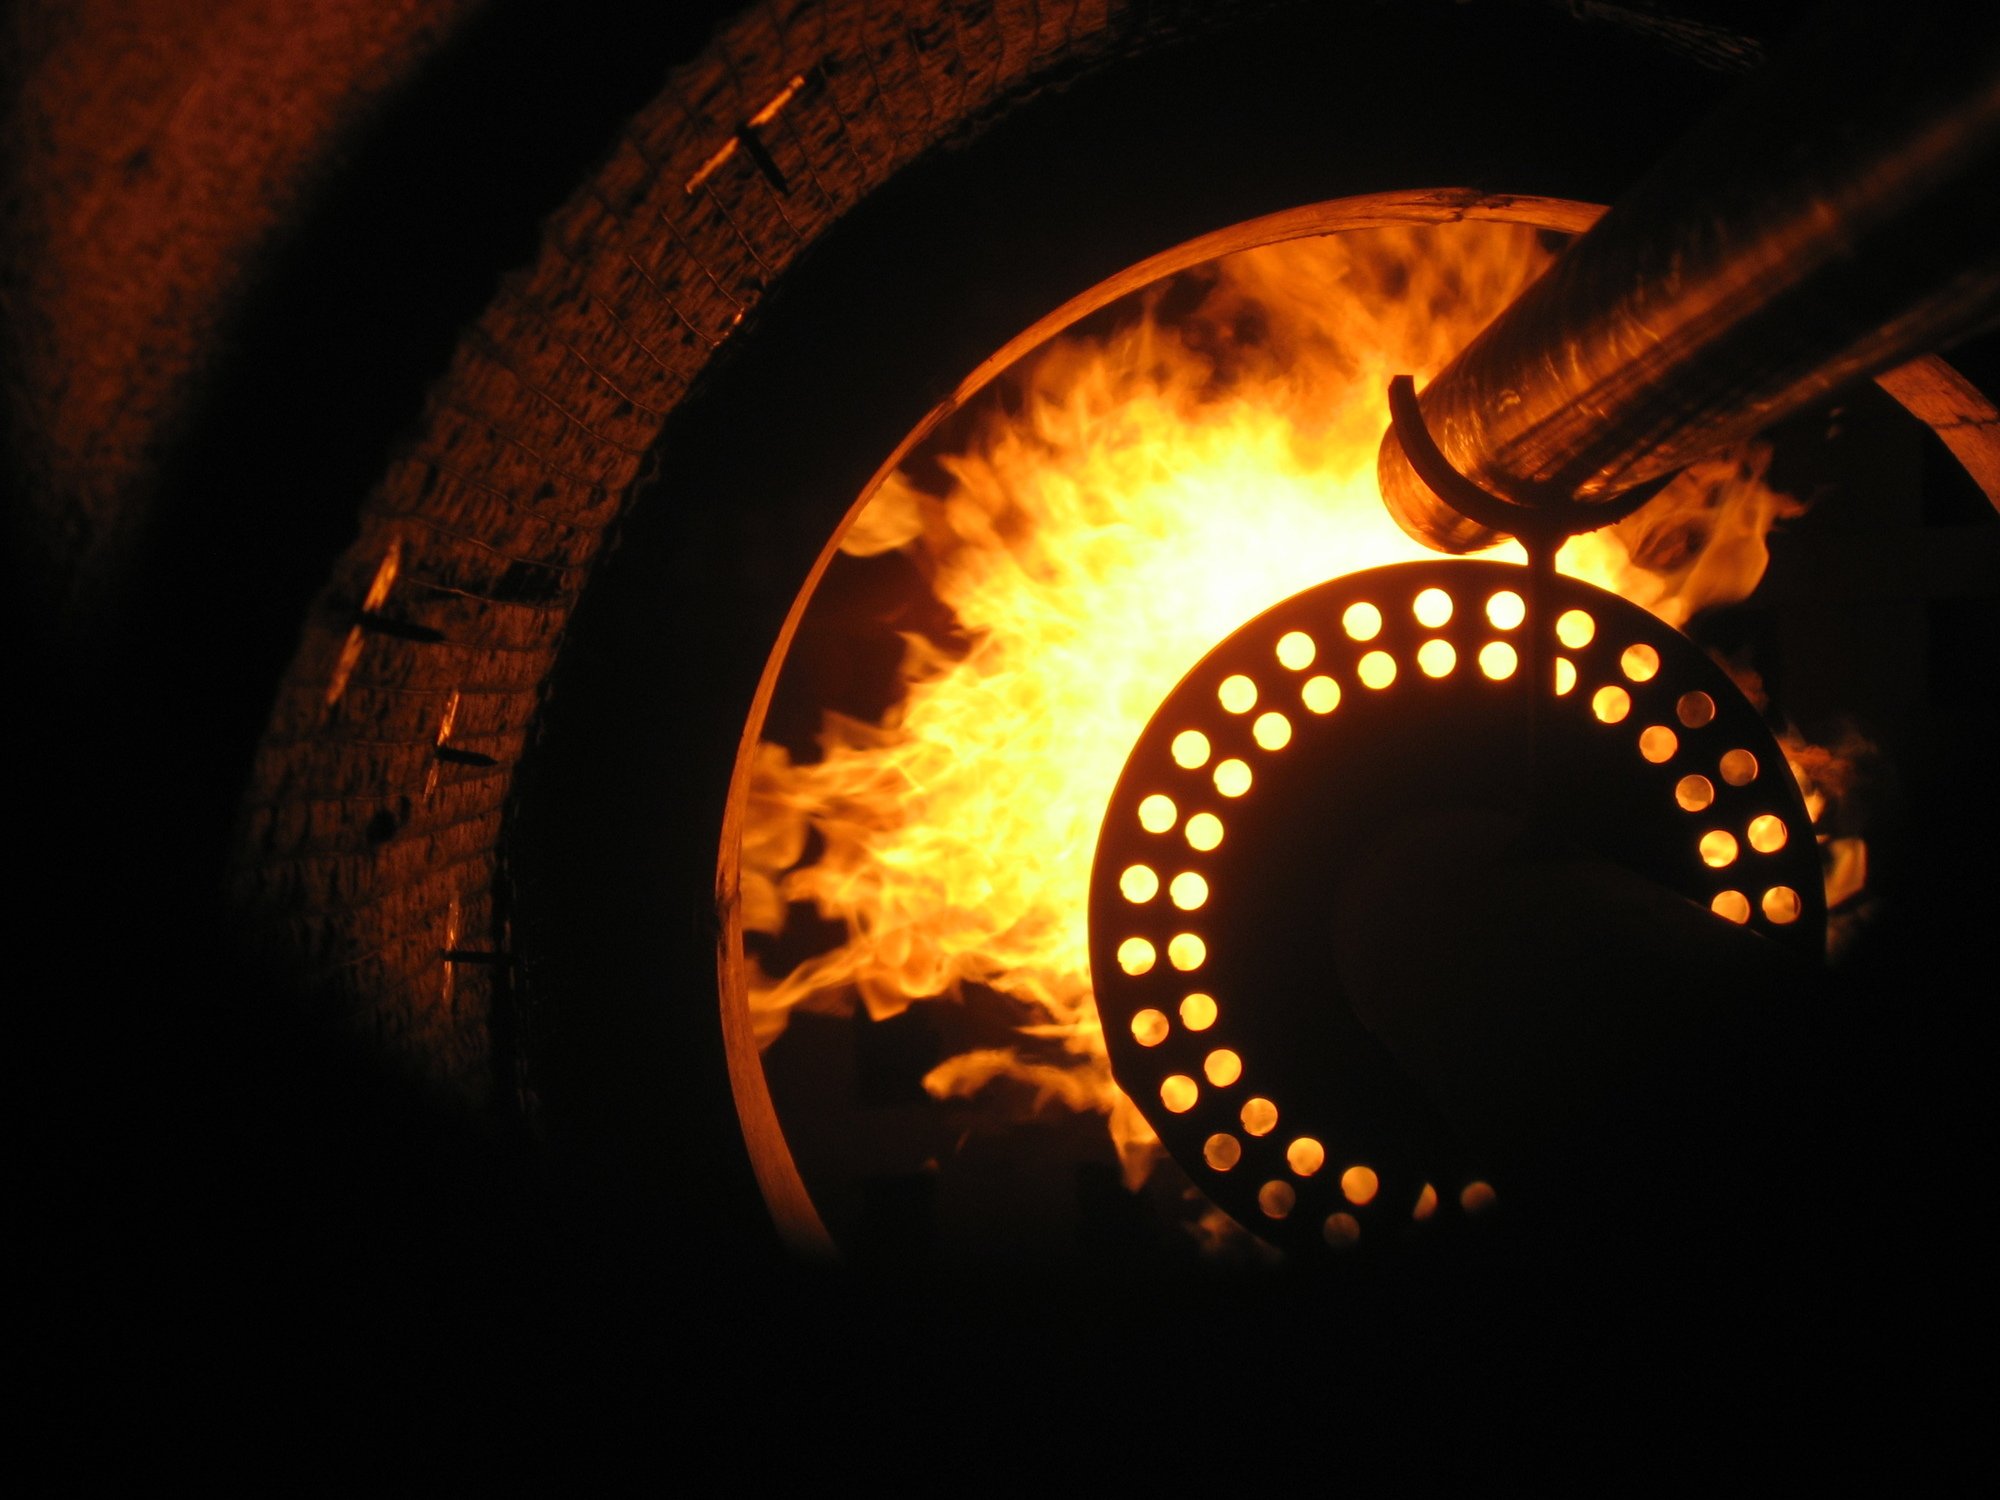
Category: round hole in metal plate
[1149,1028]
[1272,731]
[1137,956]
[1186,952]
[1782,904]
[1695,709]
[1138,884]
[1658,744]
[1498,660]
[1342,1231]
[1360,1184]
[1222,1151]
[1432,607]
[1277,1199]
[1320,694]
[1575,629]
[1767,833]
[1641,663]
[1376,670]
[1237,694]
[1296,650]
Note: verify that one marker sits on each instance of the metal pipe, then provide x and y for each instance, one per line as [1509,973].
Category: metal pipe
[1840,216]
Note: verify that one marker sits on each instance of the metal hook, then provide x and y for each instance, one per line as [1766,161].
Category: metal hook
[1540,525]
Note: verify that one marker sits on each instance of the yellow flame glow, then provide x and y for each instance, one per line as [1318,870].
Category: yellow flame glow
[1143,493]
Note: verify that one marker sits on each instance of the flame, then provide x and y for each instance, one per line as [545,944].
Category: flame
[1831,777]
[1700,542]
[1133,495]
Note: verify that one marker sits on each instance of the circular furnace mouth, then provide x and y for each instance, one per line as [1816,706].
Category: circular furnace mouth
[1280,776]
[859,1140]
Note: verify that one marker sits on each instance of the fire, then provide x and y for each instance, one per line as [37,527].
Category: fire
[1133,495]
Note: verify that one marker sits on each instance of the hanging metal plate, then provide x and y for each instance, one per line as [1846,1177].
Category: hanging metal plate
[1300,743]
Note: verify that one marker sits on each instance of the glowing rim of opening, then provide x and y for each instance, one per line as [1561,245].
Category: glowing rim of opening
[1928,388]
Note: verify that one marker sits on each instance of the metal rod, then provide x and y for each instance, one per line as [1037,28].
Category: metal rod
[1834,220]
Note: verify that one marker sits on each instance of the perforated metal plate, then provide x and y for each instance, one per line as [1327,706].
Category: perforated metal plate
[1288,753]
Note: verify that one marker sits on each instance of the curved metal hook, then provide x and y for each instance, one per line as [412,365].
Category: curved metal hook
[1544,522]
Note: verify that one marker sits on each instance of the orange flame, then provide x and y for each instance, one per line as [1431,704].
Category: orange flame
[1139,494]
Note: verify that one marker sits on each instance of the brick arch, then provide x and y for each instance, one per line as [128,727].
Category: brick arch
[366,856]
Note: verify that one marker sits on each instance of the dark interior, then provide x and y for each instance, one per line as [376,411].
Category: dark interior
[257,1228]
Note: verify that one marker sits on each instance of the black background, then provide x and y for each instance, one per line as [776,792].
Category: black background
[267,1258]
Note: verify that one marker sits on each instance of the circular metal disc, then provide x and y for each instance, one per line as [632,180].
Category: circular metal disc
[1303,740]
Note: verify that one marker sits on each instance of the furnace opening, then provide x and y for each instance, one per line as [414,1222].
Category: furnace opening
[995,624]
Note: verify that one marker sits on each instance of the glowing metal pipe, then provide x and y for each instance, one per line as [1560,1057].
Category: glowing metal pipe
[1835,220]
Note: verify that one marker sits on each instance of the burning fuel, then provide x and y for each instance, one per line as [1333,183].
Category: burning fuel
[1130,495]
